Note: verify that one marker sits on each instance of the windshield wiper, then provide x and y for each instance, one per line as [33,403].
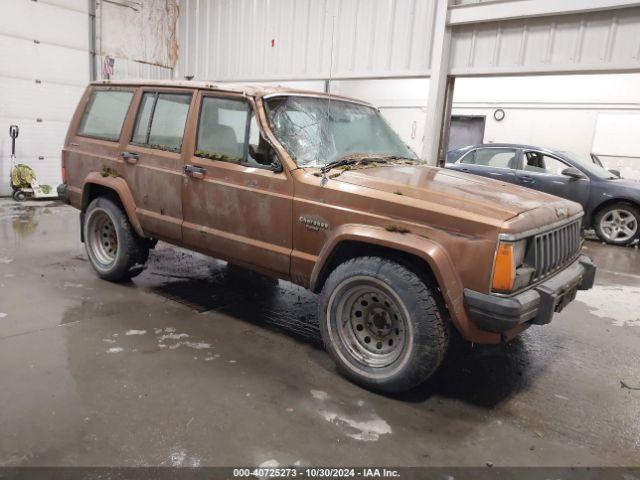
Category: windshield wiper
[360,159]
[344,161]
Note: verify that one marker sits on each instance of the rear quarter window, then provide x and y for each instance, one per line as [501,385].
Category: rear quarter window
[105,113]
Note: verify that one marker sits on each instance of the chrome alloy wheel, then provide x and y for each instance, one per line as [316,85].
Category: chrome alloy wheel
[619,225]
[371,323]
[102,238]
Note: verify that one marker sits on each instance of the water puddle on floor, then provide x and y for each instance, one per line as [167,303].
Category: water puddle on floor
[613,302]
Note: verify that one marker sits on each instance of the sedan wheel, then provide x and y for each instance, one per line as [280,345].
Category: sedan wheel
[618,225]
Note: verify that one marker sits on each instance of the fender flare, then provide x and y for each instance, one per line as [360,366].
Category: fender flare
[120,187]
[431,252]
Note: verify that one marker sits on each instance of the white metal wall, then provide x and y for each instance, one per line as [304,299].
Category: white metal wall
[605,40]
[581,113]
[237,40]
[127,69]
[231,40]
[44,67]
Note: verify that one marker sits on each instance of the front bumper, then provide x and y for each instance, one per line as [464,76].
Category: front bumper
[537,305]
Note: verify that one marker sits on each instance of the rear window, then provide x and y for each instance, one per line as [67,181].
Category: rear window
[161,120]
[105,114]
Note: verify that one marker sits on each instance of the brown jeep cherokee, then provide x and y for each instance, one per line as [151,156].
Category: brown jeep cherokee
[319,190]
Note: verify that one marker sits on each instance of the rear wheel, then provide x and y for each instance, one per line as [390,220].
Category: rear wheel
[618,224]
[382,324]
[115,251]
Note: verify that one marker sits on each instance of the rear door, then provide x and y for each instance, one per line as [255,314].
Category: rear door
[152,155]
[542,171]
[492,162]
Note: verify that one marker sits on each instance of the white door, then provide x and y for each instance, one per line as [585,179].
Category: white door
[44,68]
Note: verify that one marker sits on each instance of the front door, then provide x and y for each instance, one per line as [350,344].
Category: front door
[153,160]
[235,207]
[543,172]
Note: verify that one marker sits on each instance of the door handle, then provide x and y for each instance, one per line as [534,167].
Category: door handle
[195,171]
[465,170]
[130,157]
[527,179]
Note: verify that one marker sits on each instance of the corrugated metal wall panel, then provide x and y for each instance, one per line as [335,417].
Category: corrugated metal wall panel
[235,40]
[597,41]
[472,2]
[125,69]
[231,40]
[78,5]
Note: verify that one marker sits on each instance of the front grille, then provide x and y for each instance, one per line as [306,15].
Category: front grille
[556,248]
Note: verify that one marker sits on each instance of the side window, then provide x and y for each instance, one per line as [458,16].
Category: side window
[254,133]
[105,113]
[161,120]
[140,133]
[541,163]
[469,158]
[491,157]
[228,131]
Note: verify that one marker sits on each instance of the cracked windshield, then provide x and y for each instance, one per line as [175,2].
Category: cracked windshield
[316,131]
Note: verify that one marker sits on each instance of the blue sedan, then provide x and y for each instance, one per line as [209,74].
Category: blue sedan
[611,204]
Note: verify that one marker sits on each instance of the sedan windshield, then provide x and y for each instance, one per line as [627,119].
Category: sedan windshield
[316,131]
[586,162]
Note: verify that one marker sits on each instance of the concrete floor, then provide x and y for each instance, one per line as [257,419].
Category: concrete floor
[195,363]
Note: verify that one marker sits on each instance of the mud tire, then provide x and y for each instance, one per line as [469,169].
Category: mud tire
[132,252]
[420,307]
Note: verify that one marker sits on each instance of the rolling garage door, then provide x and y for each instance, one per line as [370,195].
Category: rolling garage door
[44,67]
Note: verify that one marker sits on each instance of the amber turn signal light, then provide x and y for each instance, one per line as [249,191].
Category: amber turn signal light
[504,271]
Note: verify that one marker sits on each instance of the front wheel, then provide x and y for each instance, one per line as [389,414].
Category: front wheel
[115,251]
[618,224]
[383,325]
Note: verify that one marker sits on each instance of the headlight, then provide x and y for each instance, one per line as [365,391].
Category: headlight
[509,258]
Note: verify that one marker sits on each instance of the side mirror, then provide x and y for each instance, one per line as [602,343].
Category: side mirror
[276,166]
[260,155]
[574,173]
[266,156]
[615,172]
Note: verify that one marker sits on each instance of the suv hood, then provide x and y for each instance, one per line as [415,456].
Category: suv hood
[474,194]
